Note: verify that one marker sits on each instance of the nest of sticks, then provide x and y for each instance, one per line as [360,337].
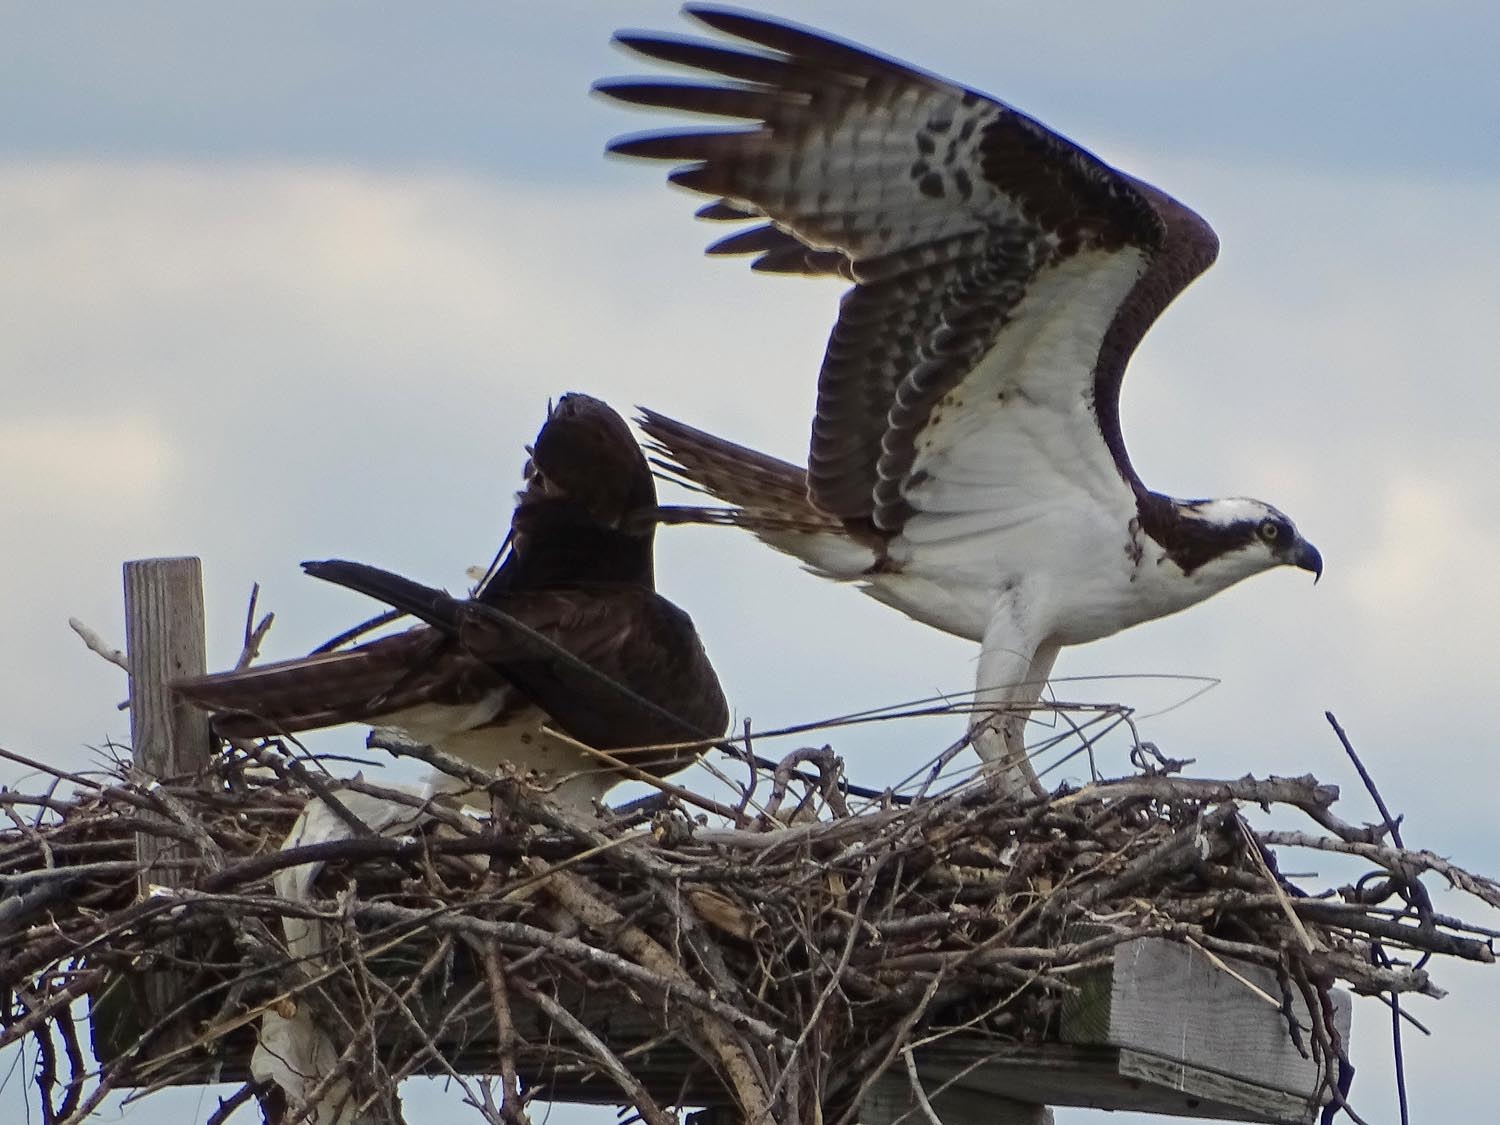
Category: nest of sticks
[766,957]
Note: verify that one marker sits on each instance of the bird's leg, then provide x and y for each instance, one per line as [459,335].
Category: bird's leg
[999,737]
[1010,683]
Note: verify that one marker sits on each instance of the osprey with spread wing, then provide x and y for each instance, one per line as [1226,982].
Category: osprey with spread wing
[967,465]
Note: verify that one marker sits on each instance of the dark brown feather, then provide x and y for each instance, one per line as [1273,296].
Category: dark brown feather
[585,478]
[722,211]
[361,684]
[578,572]
[748,102]
[766,493]
[631,637]
[613,665]
[697,55]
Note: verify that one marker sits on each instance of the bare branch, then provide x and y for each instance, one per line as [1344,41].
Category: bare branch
[98,644]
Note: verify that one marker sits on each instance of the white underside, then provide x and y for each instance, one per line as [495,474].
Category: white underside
[568,774]
[1023,536]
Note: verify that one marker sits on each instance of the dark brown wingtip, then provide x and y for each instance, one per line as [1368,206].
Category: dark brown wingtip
[677,145]
[695,97]
[425,603]
[799,45]
[779,35]
[723,211]
[755,240]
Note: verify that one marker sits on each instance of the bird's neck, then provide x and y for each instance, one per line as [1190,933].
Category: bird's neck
[559,543]
[1188,542]
[586,555]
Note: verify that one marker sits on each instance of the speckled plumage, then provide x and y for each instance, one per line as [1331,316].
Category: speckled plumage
[966,464]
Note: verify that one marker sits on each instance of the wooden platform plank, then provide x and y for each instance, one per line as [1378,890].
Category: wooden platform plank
[1106,1078]
[1170,1000]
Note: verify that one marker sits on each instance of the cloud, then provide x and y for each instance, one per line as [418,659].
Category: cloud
[1429,529]
[82,467]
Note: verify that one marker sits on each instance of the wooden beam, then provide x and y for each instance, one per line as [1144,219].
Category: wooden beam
[1170,1000]
[1105,1078]
[164,641]
[168,738]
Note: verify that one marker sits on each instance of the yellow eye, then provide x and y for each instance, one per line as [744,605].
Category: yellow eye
[1270,531]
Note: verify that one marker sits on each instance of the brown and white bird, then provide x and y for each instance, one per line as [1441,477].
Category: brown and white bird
[967,465]
[578,571]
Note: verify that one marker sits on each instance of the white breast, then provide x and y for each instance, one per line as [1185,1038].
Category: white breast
[570,776]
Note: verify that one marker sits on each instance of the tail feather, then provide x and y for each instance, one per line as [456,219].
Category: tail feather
[313,691]
[767,497]
[352,685]
[758,485]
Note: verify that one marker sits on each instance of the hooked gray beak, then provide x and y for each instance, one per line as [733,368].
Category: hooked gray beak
[1306,557]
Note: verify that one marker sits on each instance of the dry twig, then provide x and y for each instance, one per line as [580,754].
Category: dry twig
[784,964]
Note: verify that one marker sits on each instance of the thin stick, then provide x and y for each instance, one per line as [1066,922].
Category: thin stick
[915,1081]
[1391,823]
[254,634]
[98,644]
[643,1102]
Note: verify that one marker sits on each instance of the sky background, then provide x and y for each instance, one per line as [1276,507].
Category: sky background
[296,280]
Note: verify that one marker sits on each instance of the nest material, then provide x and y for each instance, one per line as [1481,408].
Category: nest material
[766,962]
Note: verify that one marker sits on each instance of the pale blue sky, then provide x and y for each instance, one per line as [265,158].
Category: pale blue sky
[1341,84]
[295,280]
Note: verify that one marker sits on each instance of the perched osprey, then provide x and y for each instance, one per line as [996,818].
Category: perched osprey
[967,465]
[578,571]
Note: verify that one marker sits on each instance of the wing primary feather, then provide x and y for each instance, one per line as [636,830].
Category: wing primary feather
[755,240]
[696,55]
[751,103]
[802,260]
[803,45]
[722,211]
[686,146]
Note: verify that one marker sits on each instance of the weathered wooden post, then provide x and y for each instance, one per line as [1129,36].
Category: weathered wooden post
[163,641]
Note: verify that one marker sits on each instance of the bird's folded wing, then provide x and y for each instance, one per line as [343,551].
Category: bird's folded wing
[615,667]
[381,677]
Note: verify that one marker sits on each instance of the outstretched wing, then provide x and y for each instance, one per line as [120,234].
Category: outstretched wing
[1003,274]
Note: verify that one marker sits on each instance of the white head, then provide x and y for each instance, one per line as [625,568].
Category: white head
[1220,542]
